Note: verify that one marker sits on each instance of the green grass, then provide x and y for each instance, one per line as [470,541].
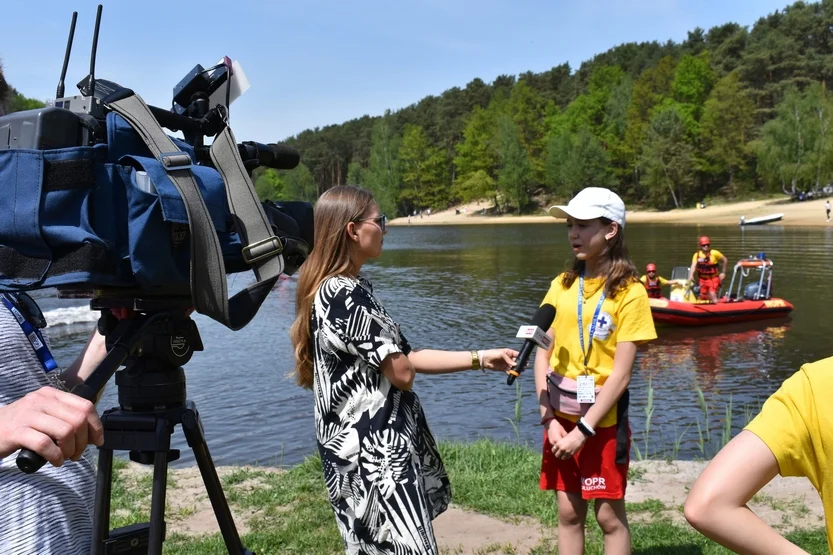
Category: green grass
[129,499]
[499,479]
[653,506]
[291,514]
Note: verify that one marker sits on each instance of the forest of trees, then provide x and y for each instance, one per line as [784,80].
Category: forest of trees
[727,112]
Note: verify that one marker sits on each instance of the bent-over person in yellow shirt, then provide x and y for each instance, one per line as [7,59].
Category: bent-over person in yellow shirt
[792,436]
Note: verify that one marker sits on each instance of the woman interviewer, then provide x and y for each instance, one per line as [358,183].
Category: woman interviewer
[385,479]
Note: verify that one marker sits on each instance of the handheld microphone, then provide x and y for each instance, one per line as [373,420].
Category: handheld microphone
[535,335]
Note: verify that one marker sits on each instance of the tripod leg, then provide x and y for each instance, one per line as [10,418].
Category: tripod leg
[157,503]
[103,487]
[193,433]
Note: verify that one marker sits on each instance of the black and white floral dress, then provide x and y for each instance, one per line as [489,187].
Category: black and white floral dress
[384,475]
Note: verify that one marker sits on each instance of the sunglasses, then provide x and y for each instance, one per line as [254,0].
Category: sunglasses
[29,308]
[381,221]
[706,246]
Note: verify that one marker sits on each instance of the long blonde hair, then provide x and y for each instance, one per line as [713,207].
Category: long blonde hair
[616,265]
[330,257]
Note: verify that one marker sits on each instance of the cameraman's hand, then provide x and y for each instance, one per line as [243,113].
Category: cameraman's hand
[499,359]
[54,424]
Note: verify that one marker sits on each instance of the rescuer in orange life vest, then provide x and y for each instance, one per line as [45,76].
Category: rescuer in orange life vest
[705,262]
[652,282]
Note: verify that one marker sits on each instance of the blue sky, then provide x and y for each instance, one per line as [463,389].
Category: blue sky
[314,63]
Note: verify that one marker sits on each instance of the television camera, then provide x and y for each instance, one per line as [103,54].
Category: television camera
[141,198]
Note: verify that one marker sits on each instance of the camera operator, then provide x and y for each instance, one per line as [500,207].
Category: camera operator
[51,510]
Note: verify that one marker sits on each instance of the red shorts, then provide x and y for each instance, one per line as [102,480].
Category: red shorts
[709,284]
[593,471]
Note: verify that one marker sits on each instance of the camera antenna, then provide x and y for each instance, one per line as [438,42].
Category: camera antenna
[59,93]
[91,82]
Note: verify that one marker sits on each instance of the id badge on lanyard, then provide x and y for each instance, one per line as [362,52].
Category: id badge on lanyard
[585,383]
[33,334]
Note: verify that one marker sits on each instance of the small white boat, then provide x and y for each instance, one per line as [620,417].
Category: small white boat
[761,220]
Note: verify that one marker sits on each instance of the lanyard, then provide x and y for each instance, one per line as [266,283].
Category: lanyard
[33,334]
[581,323]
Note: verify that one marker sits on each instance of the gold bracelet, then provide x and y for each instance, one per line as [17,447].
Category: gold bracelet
[475,361]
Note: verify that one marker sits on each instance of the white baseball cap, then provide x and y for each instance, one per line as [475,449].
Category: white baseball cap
[592,203]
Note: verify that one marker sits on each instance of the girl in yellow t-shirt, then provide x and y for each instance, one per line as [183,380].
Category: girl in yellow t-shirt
[601,315]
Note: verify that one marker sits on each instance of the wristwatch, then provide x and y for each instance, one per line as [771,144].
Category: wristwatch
[475,361]
[584,428]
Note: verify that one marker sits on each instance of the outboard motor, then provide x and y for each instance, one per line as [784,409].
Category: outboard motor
[750,292]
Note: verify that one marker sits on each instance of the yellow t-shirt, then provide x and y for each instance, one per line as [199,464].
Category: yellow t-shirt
[796,423]
[625,318]
[707,266]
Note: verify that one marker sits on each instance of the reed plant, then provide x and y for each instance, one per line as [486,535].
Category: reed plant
[701,402]
[516,421]
[651,443]
[649,411]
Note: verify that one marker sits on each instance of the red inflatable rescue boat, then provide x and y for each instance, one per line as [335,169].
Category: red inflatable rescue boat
[740,304]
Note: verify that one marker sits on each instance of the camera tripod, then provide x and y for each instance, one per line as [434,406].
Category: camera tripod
[154,341]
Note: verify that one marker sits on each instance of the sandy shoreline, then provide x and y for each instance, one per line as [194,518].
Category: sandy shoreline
[808,213]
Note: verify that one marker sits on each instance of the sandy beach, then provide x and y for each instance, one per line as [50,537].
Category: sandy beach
[807,213]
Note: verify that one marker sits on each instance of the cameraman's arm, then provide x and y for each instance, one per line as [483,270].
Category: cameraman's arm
[90,357]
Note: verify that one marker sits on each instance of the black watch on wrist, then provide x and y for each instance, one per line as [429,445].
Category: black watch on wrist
[584,429]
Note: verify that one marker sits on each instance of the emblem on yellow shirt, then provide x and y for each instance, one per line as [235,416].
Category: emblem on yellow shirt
[604,326]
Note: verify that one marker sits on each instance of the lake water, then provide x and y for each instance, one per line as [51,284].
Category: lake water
[464,287]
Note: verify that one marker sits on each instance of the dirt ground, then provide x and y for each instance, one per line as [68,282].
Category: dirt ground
[785,503]
[807,213]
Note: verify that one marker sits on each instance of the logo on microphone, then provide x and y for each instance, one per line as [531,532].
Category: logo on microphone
[536,334]
[604,326]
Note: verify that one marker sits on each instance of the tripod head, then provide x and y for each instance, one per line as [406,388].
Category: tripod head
[153,337]
[153,378]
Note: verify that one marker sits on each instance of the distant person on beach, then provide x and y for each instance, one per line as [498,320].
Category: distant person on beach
[791,436]
[827,209]
[653,283]
[385,478]
[704,263]
[602,315]
[50,511]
